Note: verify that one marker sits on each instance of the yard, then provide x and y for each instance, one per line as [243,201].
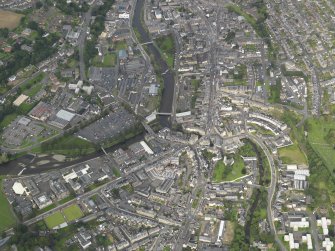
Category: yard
[166,46]
[54,220]
[9,19]
[7,218]
[72,213]
[229,173]
[109,60]
[292,155]
[34,90]
[120,45]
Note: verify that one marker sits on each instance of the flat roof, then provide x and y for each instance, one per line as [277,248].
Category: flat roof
[20,100]
[68,116]
[18,188]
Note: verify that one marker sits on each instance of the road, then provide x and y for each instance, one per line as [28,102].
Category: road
[83,196]
[271,189]
[184,233]
[314,230]
[81,42]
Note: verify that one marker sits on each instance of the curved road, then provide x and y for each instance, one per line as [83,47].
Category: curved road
[271,189]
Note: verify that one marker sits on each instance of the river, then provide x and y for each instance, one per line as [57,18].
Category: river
[168,77]
[30,162]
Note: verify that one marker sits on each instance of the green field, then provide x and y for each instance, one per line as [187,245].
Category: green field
[120,45]
[32,82]
[54,220]
[34,90]
[166,46]
[68,145]
[261,130]
[72,213]
[7,218]
[274,91]
[320,138]
[229,173]
[109,60]
[7,120]
[292,155]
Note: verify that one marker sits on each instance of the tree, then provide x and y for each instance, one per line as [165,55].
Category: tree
[4,32]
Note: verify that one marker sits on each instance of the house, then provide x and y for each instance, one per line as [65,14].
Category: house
[153,89]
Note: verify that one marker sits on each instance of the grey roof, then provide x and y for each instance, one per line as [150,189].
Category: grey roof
[68,116]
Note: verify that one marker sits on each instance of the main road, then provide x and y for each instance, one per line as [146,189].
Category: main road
[82,40]
[271,189]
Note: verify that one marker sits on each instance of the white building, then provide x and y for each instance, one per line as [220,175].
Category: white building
[304,223]
[324,223]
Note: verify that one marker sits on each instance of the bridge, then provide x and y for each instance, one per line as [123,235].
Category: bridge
[163,113]
[148,129]
[150,42]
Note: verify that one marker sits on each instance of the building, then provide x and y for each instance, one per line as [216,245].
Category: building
[328,244]
[59,189]
[158,14]
[153,89]
[42,200]
[62,119]
[41,112]
[84,239]
[122,55]
[165,186]
[324,223]
[18,188]
[22,98]
[303,223]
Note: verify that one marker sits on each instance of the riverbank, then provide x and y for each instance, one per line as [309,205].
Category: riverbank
[158,62]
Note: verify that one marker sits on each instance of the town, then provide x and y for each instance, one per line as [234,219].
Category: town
[167,125]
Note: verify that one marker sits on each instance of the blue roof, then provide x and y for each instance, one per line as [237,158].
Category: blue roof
[122,54]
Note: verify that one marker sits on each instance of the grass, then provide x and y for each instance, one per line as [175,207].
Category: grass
[72,63]
[25,108]
[218,171]
[7,217]
[71,197]
[120,45]
[67,145]
[7,120]
[72,213]
[195,84]
[109,60]
[274,91]
[195,203]
[228,173]
[9,19]
[33,90]
[262,130]
[236,82]
[32,82]
[292,155]
[54,220]
[318,133]
[46,209]
[167,48]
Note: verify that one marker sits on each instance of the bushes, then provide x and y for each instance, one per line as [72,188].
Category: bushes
[42,49]
[275,91]
[69,145]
